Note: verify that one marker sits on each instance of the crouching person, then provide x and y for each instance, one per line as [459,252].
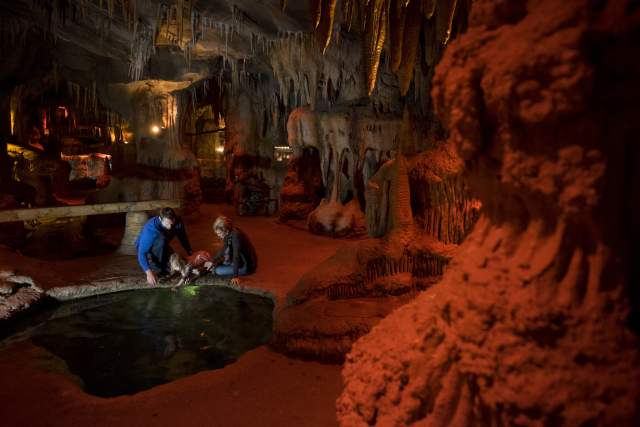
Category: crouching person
[153,243]
[237,256]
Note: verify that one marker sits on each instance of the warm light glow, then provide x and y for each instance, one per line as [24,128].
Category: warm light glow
[127,136]
[12,118]
[64,110]
[155,129]
[84,157]
[282,152]
[220,149]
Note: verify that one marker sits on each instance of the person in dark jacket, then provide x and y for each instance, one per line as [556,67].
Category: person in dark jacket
[153,243]
[237,256]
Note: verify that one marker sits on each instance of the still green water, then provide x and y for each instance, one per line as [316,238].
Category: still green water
[131,341]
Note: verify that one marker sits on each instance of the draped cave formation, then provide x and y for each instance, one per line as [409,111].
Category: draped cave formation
[442,194]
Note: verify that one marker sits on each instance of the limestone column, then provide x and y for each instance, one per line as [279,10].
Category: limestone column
[134,223]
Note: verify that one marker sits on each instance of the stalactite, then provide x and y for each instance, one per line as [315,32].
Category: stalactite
[346,291]
[397,18]
[400,21]
[142,48]
[410,36]
[316,8]
[444,19]
[326,23]
[420,265]
[445,210]
[428,8]
[374,38]
[350,12]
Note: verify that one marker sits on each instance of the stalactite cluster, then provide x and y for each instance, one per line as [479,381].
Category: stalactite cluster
[398,24]
[444,210]
[381,277]
[421,264]
[339,291]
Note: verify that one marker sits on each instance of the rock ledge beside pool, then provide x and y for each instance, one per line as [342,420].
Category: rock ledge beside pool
[20,293]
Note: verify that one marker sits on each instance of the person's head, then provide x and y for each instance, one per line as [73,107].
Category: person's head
[167,218]
[222,226]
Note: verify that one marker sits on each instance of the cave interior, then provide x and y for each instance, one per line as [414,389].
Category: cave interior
[443,196]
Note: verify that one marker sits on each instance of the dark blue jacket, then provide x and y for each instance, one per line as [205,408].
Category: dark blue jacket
[153,230]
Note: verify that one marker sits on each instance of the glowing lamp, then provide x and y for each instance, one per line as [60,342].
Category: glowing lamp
[220,149]
[155,129]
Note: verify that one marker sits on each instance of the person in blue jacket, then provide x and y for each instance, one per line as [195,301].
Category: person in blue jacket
[153,243]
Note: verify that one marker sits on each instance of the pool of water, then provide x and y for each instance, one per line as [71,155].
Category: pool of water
[127,342]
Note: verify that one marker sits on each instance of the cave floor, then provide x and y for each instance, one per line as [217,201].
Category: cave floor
[262,388]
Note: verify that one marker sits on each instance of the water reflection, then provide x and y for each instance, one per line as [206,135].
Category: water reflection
[127,342]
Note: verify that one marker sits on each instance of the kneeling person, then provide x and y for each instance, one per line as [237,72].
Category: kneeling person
[237,254]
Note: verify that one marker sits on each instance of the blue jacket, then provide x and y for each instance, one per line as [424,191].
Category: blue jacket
[152,231]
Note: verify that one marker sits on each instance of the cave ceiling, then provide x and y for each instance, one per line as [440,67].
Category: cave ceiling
[113,41]
[387,43]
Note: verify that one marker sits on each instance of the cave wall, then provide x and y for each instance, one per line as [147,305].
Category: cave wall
[154,165]
[366,280]
[530,323]
[342,138]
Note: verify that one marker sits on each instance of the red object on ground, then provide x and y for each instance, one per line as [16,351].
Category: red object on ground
[198,258]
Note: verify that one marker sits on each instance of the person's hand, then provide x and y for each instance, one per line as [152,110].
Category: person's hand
[151,278]
[235,281]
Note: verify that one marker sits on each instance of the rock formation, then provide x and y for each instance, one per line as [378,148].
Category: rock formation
[529,324]
[155,165]
[17,293]
[342,139]
[345,296]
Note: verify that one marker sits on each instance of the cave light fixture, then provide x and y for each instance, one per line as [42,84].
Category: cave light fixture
[282,152]
[155,129]
[126,136]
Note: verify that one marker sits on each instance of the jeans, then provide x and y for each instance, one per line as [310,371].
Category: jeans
[226,270]
[158,256]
